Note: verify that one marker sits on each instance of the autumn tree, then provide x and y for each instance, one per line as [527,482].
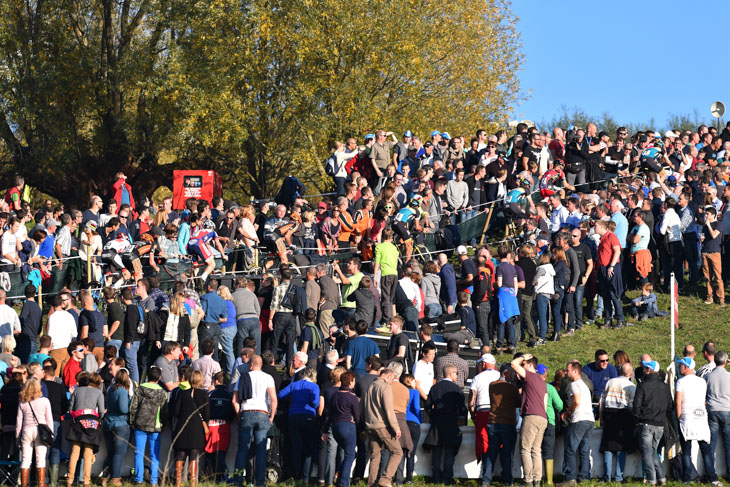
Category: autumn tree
[255,89]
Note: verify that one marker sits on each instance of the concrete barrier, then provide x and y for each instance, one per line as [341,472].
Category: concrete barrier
[465,465]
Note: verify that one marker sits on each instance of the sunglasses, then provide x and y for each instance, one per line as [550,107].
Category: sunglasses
[79,350]
[122,217]
[604,361]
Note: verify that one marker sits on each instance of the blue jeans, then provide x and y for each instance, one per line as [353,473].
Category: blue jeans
[130,357]
[707,457]
[212,332]
[54,457]
[433,310]
[345,434]
[116,446]
[649,438]
[577,458]
[117,344]
[506,436]
[445,474]
[303,436]
[26,346]
[507,328]
[558,311]
[140,441]
[620,464]
[327,459]
[410,318]
[229,356]
[543,309]
[248,327]
[720,425]
[578,303]
[256,424]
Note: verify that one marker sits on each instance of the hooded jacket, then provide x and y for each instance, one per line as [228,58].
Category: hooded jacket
[147,411]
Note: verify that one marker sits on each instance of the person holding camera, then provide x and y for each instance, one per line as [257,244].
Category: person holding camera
[576,155]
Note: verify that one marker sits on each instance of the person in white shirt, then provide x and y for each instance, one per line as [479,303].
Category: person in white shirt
[560,214]
[670,226]
[423,372]
[256,417]
[578,434]
[692,416]
[61,328]
[10,246]
[9,321]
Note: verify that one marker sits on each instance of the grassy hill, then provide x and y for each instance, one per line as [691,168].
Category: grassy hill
[698,323]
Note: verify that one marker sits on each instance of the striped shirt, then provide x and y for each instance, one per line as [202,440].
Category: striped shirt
[618,394]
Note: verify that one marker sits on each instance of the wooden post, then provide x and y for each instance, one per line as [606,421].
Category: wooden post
[486,224]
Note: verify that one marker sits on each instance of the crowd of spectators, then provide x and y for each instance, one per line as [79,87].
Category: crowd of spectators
[595,216]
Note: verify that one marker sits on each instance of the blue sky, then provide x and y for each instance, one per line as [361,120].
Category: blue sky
[634,59]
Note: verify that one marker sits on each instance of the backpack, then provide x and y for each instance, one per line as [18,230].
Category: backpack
[295,299]
[142,325]
[330,166]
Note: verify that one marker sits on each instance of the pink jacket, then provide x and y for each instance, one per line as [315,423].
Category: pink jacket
[25,419]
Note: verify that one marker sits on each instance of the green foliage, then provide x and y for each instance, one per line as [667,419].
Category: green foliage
[255,90]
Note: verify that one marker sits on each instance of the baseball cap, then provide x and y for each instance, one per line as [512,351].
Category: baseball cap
[657,134]
[408,134]
[669,133]
[542,369]
[91,225]
[435,133]
[653,365]
[461,250]
[487,358]
[445,135]
[156,231]
[322,204]
[369,136]
[51,223]
[687,362]
[602,134]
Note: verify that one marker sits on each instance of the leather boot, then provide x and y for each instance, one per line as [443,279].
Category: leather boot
[54,475]
[41,474]
[549,465]
[117,482]
[179,465]
[24,476]
[193,473]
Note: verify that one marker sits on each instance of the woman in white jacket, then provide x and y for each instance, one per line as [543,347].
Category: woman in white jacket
[544,288]
[33,409]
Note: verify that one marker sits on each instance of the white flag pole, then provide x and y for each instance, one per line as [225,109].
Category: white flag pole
[673,307]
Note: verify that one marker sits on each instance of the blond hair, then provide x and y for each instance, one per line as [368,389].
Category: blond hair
[177,304]
[196,379]
[31,391]
[225,293]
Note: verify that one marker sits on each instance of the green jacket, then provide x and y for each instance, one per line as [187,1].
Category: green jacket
[147,411]
[554,404]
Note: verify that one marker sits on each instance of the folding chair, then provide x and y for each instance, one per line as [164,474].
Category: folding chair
[9,472]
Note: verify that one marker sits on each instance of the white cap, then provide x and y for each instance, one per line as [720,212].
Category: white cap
[461,250]
[488,358]
[670,133]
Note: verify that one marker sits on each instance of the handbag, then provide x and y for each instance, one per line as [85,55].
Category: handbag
[45,434]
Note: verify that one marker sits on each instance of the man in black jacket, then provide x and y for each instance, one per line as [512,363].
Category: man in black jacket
[444,399]
[652,402]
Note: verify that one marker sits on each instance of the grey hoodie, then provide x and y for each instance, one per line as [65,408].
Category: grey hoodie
[431,287]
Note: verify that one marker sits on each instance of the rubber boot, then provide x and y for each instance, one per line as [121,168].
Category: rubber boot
[179,465]
[54,475]
[193,473]
[24,476]
[41,474]
[549,465]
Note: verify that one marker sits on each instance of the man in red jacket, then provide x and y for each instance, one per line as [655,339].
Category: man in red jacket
[122,191]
